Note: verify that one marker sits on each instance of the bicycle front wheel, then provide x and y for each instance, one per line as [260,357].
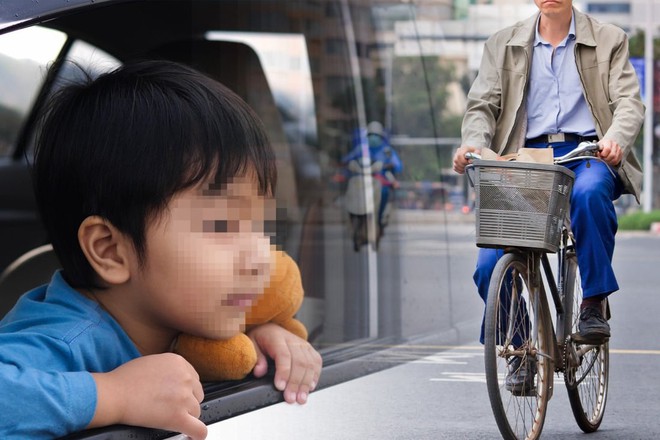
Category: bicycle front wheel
[586,367]
[516,342]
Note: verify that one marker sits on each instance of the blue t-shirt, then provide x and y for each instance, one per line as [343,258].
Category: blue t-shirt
[50,342]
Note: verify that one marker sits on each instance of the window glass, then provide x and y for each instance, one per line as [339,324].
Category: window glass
[320,85]
[605,8]
[83,60]
[24,57]
[92,59]
[338,85]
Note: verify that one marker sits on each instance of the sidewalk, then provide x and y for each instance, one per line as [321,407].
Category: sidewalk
[427,216]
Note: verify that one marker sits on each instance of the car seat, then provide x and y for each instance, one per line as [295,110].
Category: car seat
[28,271]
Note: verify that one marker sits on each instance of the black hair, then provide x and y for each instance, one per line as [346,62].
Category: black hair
[122,145]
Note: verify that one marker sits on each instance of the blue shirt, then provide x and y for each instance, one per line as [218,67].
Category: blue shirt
[555,100]
[49,343]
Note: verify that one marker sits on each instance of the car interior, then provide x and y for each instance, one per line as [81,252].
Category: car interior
[304,89]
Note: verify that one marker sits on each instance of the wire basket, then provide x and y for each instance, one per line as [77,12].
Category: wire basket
[520,204]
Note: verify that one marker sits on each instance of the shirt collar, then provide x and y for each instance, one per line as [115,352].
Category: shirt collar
[538,39]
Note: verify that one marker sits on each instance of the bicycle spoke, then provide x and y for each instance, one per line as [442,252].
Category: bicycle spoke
[512,339]
[586,368]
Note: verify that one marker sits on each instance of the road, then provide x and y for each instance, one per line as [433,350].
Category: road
[437,390]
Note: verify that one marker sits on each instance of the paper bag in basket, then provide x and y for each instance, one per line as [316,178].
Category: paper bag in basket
[533,155]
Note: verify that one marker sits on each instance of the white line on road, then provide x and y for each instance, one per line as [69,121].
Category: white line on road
[460,377]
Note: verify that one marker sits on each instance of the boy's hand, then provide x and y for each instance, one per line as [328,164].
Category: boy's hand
[156,391]
[297,363]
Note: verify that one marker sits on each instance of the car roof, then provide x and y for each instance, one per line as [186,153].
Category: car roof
[144,25]
[19,13]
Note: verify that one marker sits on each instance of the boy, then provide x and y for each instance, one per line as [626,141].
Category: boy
[152,182]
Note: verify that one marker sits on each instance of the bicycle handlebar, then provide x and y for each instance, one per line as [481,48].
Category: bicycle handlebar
[584,150]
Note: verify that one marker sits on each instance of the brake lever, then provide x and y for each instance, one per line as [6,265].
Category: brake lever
[581,149]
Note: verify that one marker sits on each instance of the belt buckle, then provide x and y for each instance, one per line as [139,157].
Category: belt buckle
[557,137]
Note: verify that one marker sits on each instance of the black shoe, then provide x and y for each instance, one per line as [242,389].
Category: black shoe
[592,328]
[520,376]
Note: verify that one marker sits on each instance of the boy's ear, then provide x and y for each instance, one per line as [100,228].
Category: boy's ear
[107,250]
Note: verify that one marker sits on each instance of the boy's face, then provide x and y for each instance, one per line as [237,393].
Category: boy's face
[207,259]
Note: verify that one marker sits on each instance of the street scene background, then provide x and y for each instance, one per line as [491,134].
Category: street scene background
[436,388]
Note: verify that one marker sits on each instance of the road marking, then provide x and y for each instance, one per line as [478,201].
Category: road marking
[471,352]
[445,358]
[481,348]
[460,377]
[626,351]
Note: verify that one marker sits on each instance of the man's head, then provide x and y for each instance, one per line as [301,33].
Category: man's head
[375,134]
[120,147]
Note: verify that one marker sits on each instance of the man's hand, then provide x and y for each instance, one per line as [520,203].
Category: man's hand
[297,363]
[610,152]
[460,162]
[158,391]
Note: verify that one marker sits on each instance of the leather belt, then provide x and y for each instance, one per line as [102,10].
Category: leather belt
[561,137]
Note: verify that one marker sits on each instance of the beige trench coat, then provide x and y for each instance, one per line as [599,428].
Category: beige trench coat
[496,116]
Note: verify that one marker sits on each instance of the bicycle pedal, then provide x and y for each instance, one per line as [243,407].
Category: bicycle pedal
[592,340]
[523,392]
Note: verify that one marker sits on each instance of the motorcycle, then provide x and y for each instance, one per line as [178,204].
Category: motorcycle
[362,209]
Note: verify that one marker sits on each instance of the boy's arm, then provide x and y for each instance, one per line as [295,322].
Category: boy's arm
[158,391]
[297,363]
[40,404]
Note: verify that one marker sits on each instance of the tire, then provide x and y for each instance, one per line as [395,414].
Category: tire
[519,415]
[586,377]
[358,226]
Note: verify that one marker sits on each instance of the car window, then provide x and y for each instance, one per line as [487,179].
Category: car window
[320,73]
[24,58]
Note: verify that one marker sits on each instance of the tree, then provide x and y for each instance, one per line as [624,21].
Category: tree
[636,45]
[419,109]
[420,95]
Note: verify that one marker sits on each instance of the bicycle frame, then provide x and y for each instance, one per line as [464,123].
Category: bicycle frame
[561,302]
[540,274]
[540,271]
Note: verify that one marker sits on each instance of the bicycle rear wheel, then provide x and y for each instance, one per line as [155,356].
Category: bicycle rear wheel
[514,328]
[586,368]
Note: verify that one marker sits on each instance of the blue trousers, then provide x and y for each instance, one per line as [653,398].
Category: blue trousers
[593,222]
[384,199]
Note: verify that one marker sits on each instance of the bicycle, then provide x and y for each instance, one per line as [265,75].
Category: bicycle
[522,208]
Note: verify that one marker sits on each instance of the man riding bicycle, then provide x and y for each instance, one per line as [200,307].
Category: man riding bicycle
[555,80]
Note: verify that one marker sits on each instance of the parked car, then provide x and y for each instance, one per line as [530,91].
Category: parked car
[314,71]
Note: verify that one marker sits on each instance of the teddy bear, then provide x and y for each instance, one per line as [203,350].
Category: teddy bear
[234,358]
